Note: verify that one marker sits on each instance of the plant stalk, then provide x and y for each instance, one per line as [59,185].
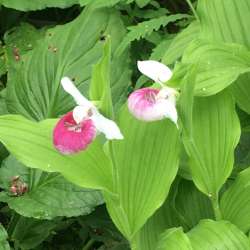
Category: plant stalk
[216,207]
[193,10]
[89,244]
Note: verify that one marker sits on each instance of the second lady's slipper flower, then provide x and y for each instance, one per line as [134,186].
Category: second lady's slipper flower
[151,104]
[77,129]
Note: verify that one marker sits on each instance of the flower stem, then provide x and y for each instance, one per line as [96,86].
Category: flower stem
[215,204]
[193,10]
[89,244]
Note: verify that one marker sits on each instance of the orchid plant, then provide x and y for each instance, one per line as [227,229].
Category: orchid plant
[78,128]
[88,160]
[151,104]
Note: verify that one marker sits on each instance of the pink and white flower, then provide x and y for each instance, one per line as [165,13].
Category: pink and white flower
[151,104]
[77,129]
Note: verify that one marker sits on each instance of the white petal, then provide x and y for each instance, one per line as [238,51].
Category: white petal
[157,71]
[70,88]
[167,109]
[80,112]
[107,126]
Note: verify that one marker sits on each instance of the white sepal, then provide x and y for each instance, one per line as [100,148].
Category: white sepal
[71,89]
[106,126]
[157,71]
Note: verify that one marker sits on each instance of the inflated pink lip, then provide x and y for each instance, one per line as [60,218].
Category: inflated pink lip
[70,137]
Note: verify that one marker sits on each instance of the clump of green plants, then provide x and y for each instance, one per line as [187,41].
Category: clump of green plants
[124,124]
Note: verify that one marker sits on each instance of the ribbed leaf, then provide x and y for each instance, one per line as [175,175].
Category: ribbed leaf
[29,233]
[4,245]
[142,3]
[217,235]
[145,160]
[218,65]
[49,195]
[164,217]
[174,238]
[26,5]
[215,134]
[191,205]
[180,43]
[31,144]
[235,203]
[207,235]
[228,21]
[35,91]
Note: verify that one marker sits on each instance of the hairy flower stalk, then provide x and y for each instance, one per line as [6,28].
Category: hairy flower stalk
[151,104]
[77,129]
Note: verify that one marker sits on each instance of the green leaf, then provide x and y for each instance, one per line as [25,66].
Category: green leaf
[145,164]
[142,3]
[145,28]
[19,41]
[3,68]
[180,43]
[207,235]
[35,92]
[100,81]
[191,205]
[235,203]
[217,235]
[174,238]
[215,122]
[4,245]
[49,194]
[164,217]
[30,142]
[29,233]
[228,21]
[213,74]
[27,5]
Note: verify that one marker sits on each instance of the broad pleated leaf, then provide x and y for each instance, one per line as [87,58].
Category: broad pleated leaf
[4,245]
[145,164]
[67,50]
[31,143]
[142,3]
[218,65]
[228,21]
[165,217]
[191,205]
[217,235]
[173,239]
[235,202]
[26,5]
[49,194]
[180,43]
[28,233]
[210,146]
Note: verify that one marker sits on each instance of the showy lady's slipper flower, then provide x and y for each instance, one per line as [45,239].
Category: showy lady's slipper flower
[77,129]
[151,104]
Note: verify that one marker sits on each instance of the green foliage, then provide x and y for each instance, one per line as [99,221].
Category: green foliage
[145,28]
[214,121]
[208,235]
[100,82]
[235,202]
[38,95]
[3,239]
[165,186]
[137,183]
[37,5]
[31,141]
[48,195]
